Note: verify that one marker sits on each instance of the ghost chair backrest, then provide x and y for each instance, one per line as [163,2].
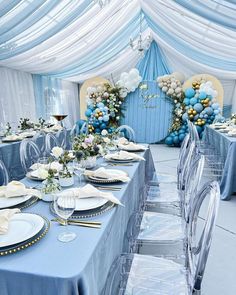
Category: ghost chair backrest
[51,141]
[198,249]
[61,136]
[127,131]
[29,154]
[4,176]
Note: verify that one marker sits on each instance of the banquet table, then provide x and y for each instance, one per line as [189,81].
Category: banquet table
[10,155]
[79,267]
[226,147]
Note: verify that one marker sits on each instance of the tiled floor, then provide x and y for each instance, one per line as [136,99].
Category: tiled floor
[220,275]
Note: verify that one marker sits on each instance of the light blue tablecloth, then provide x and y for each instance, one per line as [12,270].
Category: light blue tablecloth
[226,147]
[10,155]
[79,267]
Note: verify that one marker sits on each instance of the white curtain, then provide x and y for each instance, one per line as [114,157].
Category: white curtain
[70,102]
[16,96]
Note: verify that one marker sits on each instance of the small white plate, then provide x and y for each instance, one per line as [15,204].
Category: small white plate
[89,203]
[22,227]
[10,202]
[111,172]
[30,176]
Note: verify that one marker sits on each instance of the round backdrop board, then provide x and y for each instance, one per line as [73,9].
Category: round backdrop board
[216,84]
[83,92]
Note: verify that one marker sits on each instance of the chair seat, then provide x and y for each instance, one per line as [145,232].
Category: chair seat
[166,192]
[160,227]
[155,276]
[166,178]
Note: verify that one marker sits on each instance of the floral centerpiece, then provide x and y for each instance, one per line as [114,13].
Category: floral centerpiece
[25,124]
[63,157]
[7,129]
[50,185]
[105,102]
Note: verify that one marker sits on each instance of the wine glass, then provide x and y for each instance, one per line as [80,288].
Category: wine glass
[64,206]
[78,171]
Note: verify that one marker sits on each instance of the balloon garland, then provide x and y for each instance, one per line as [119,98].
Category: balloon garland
[105,102]
[197,104]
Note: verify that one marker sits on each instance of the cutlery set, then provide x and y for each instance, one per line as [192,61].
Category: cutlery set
[92,224]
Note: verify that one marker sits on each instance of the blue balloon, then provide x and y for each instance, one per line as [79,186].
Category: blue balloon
[185,117]
[106,109]
[91,107]
[169,140]
[201,116]
[100,118]
[193,101]
[88,113]
[196,117]
[209,97]
[216,112]
[202,95]
[186,101]
[198,107]
[96,124]
[205,116]
[97,130]
[209,110]
[215,106]
[189,92]
[106,118]
[100,105]
[176,140]
[199,129]
[103,126]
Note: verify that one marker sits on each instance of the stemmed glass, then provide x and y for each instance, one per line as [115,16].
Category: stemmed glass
[78,170]
[64,206]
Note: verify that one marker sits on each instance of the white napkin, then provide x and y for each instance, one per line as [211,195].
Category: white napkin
[40,173]
[123,155]
[89,191]
[132,146]
[122,140]
[5,216]
[27,133]
[13,137]
[106,173]
[54,165]
[17,189]
[232,132]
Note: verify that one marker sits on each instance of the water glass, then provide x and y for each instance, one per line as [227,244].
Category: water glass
[64,206]
[78,170]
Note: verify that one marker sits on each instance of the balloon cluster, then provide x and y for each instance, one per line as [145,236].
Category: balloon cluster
[128,82]
[105,102]
[172,85]
[200,107]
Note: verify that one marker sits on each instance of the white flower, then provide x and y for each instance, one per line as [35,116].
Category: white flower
[84,145]
[57,151]
[106,140]
[42,173]
[104,132]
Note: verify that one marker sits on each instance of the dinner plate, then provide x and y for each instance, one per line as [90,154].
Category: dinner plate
[22,227]
[114,159]
[11,140]
[132,149]
[89,203]
[97,179]
[10,202]
[30,176]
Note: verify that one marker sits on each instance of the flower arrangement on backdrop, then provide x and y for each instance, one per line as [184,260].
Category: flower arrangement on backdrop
[105,102]
[197,104]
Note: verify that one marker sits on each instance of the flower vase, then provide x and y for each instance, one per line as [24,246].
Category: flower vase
[66,178]
[89,163]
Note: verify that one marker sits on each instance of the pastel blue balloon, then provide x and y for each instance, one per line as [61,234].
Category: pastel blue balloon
[100,105]
[193,101]
[212,116]
[215,106]
[209,97]
[216,112]
[106,109]
[189,92]
[201,116]
[96,124]
[186,101]
[199,129]
[208,110]
[185,117]
[88,113]
[98,130]
[202,95]
[182,136]
[172,134]
[169,140]
[112,114]
[106,118]
[198,107]
[196,117]
[100,118]
[101,109]
[206,116]
[91,107]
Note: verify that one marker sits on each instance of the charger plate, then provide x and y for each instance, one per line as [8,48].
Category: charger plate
[28,243]
[88,213]
[21,204]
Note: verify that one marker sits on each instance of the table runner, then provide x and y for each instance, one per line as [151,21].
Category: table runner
[226,147]
[79,267]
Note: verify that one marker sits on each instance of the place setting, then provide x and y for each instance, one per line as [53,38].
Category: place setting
[19,231]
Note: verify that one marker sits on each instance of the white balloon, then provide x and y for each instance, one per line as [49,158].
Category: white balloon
[215,93]
[123,75]
[133,89]
[170,91]
[134,71]
[164,89]
[178,90]
[179,76]
[160,85]
[209,83]
[173,85]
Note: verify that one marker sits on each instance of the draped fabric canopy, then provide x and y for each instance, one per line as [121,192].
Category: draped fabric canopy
[76,39]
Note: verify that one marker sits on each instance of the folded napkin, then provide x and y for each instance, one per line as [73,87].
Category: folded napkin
[54,165]
[122,140]
[27,133]
[132,146]
[123,155]
[89,191]
[5,216]
[232,132]
[40,173]
[106,173]
[13,137]
[17,189]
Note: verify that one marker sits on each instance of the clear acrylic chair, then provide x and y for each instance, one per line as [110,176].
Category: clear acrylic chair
[29,154]
[40,140]
[61,136]
[4,176]
[50,142]
[135,274]
[127,131]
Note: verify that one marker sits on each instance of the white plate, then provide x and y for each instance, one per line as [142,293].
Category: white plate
[30,176]
[89,203]
[22,227]
[112,172]
[10,202]
[121,160]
